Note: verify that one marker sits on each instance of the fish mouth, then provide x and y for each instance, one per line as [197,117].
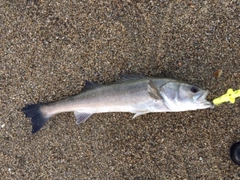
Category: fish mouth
[203,96]
[202,99]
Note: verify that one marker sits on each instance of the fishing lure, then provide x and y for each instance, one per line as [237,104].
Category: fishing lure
[230,96]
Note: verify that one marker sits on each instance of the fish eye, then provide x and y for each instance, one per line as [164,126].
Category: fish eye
[194,89]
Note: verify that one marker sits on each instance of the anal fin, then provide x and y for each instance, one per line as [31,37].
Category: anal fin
[81,116]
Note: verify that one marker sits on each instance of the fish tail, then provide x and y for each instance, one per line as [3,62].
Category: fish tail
[38,119]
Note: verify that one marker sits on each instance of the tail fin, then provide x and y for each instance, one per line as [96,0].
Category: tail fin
[37,118]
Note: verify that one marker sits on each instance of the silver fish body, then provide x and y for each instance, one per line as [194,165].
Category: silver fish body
[138,95]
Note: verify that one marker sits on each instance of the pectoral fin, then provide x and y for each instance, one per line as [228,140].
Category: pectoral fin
[81,116]
[153,91]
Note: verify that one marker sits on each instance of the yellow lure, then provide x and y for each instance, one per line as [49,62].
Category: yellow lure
[230,96]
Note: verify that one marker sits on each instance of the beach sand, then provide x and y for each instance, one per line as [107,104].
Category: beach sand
[48,50]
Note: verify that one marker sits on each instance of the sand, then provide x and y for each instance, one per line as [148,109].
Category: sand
[49,48]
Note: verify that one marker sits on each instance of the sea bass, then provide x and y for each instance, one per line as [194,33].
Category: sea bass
[138,95]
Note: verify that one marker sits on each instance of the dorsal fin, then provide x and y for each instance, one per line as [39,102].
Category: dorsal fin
[90,85]
[127,77]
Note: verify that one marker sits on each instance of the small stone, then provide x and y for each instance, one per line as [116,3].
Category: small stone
[218,73]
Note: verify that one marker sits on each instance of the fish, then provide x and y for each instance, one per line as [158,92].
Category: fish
[135,94]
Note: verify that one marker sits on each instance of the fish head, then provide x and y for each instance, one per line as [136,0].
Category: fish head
[180,96]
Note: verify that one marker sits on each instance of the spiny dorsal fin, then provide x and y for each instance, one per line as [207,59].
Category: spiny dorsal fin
[153,91]
[127,77]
